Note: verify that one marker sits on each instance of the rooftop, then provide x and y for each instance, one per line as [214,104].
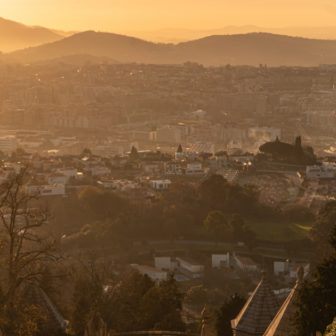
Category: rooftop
[189,261]
[246,261]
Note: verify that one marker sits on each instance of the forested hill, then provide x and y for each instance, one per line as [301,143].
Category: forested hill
[252,49]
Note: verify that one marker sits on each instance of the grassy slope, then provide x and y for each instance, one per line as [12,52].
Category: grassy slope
[270,229]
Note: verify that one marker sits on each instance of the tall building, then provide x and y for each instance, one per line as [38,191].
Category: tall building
[265,133]
[143,135]
[8,144]
[202,147]
[261,105]
[168,134]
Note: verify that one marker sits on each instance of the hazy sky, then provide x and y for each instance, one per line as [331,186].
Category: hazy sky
[124,15]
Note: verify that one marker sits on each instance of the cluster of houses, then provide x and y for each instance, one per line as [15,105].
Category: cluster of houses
[192,269]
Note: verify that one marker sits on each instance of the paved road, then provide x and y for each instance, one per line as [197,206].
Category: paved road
[209,243]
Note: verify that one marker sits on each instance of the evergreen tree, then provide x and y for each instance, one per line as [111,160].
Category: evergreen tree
[316,300]
[179,149]
[86,152]
[85,300]
[298,151]
[227,312]
[215,222]
[134,154]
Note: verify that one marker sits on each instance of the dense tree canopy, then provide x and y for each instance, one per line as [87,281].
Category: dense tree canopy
[278,148]
[316,300]
[321,228]
[227,312]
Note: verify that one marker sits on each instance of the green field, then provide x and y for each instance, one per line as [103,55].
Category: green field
[271,230]
[277,167]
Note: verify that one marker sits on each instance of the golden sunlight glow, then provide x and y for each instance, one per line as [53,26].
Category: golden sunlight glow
[125,15]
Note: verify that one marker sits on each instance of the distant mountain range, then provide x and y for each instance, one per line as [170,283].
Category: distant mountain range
[16,36]
[176,35]
[250,49]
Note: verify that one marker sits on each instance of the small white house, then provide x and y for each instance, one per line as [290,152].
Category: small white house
[245,263]
[100,171]
[68,172]
[162,263]
[46,190]
[293,271]
[281,268]
[190,267]
[218,162]
[150,167]
[167,264]
[57,178]
[285,268]
[220,260]
[154,273]
[160,184]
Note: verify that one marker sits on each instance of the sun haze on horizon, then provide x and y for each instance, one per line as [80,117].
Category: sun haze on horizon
[125,15]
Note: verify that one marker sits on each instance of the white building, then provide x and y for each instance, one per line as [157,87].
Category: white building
[168,134]
[327,170]
[199,114]
[285,268]
[218,162]
[293,270]
[160,184]
[245,263]
[167,264]
[154,273]
[261,105]
[68,172]
[142,135]
[46,190]
[8,144]
[57,178]
[202,147]
[95,171]
[109,150]
[186,155]
[220,260]
[150,167]
[190,267]
[266,133]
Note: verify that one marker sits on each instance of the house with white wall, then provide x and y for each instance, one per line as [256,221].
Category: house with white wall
[165,263]
[220,260]
[172,167]
[68,172]
[160,184]
[287,269]
[57,178]
[154,273]
[150,167]
[245,263]
[46,190]
[190,267]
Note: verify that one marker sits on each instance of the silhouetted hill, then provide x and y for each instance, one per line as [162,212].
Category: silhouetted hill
[176,35]
[251,49]
[16,36]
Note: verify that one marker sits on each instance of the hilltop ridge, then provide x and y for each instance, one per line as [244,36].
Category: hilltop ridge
[252,49]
